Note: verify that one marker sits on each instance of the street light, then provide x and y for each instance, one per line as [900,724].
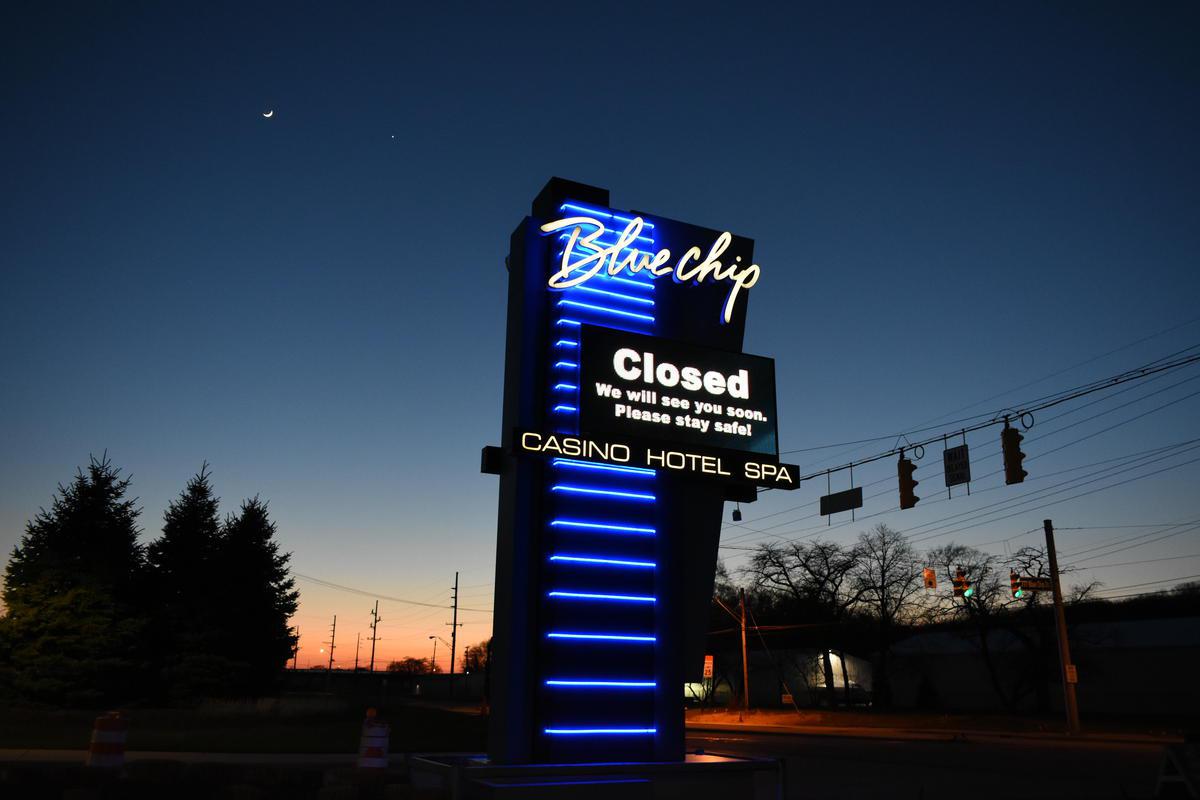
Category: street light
[433,662]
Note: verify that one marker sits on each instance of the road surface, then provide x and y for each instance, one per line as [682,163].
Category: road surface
[820,767]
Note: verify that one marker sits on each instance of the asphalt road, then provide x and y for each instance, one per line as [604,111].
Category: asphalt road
[819,767]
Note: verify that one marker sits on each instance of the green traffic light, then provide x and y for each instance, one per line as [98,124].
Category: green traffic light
[969,592]
[1019,594]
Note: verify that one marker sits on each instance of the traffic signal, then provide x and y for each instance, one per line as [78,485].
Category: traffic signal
[962,587]
[930,576]
[1010,443]
[908,483]
[1014,582]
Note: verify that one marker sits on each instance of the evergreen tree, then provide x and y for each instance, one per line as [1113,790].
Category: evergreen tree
[187,584]
[72,629]
[259,598]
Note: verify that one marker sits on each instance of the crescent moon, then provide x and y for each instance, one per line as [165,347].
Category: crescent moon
[269,114]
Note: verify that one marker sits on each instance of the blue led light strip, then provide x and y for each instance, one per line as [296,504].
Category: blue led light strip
[608,238]
[603,637]
[610,684]
[643,278]
[600,731]
[573,464]
[605,310]
[644,301]
[595,212]
[604,277]
[606,562]
[621,302]
[601,526]
[562,487]
[619,598]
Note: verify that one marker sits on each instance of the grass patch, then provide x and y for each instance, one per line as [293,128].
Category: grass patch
[249,728]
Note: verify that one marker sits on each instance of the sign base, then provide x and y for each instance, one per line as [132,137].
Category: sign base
[698,777]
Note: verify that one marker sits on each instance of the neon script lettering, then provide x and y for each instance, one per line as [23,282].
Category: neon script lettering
[583,257]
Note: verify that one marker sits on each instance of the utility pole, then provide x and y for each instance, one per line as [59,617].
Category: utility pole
[357,644]
[433,661]
[374,637]
[1064,648]
[296,649]
[745,666]
[453,634]
[332,640]
[741,621]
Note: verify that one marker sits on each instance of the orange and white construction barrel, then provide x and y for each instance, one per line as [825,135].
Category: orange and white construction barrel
[108,741]
[373,746]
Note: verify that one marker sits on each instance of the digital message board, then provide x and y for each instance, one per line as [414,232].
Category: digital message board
[648,387]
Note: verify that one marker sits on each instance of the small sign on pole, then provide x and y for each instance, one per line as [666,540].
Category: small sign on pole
[1072,675]
[708,666]
[957,461]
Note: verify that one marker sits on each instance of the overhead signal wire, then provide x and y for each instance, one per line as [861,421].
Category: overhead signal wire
[1130,375]
[934,534]
[1128,462]
[1117,527]
[942,425]
[1039,404]
[1135,563]
[1182,578]
[888,478]
[1132,595]
[1136,545]
[975,512]
[1055,374]
[983,477]
[1124,539]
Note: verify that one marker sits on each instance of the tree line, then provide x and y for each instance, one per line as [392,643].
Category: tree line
[864,596]
[93,617]
[474,658]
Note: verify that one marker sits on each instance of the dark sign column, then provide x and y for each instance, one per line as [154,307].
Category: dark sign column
[605,552]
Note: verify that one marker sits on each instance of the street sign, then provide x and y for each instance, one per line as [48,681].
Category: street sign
[841,501]
[1072,675]
[1031,584]
[957,462]
[708,666]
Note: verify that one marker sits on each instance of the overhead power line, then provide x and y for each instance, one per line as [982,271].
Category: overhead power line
[379,596]
[1180,579]
[1055,374]
[989,451]
[972,516]
[1049,402]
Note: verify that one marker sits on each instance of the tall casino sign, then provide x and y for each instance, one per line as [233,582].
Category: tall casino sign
[631,415]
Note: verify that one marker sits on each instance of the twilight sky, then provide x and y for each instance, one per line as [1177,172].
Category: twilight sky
[950,201]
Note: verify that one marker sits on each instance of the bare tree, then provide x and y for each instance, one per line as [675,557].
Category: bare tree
[887,581]
[817,575]
[989,593]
